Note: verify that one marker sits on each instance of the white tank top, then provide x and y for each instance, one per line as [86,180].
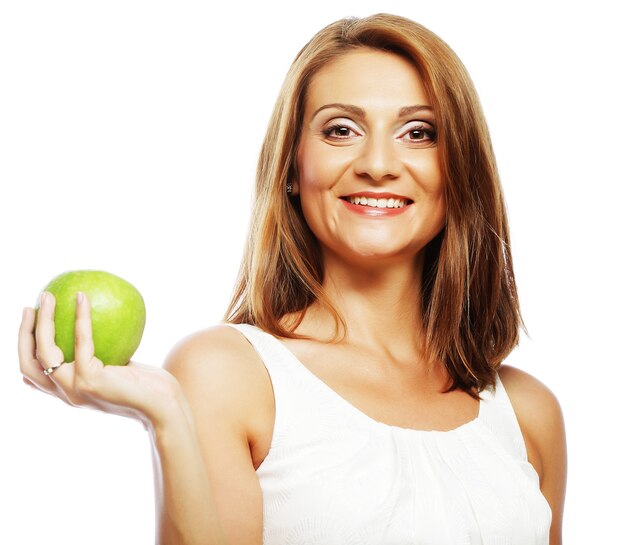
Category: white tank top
[335,476]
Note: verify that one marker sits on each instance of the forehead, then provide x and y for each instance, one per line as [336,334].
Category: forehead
[368,78]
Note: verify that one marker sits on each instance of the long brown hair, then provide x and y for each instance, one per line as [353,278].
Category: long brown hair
[469,297]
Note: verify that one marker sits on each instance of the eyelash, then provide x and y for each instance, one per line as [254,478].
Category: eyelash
[430,133]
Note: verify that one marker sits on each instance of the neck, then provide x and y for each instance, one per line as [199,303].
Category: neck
[381,305]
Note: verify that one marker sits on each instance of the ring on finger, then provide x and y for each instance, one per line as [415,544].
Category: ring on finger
[52,369]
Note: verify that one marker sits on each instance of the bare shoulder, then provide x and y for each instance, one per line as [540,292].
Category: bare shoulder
[541,419]
[219,365]
[214,344]
[218,349]
[535,405]
[531,398]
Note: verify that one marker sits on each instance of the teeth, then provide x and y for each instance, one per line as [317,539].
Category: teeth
[378,203]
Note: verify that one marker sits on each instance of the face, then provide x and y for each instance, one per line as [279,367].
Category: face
[369,181]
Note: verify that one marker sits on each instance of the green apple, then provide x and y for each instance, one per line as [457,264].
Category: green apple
[118,314]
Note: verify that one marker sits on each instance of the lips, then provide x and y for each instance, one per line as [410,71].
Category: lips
[381,200]
[376,205]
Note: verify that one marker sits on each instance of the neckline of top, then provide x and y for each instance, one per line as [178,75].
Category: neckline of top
[358,412]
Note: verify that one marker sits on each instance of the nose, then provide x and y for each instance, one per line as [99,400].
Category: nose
[378,159]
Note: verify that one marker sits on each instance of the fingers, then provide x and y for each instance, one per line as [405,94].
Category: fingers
[74,383]
[87,379]
[83,336]
[46,350]
[26,340]
[30,367]
[26,347]
[83,341]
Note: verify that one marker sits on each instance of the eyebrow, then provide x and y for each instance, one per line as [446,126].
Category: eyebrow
[355,110]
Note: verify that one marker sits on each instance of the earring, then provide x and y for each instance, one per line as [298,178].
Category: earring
[289,188]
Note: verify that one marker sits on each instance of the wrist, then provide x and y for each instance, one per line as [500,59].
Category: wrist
[173,414]
[173,436]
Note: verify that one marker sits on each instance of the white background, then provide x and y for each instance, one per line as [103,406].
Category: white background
[129,135]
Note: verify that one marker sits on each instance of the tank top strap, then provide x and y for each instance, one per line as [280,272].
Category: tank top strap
[265,346]
[289,387]
[270,352]
[498,416]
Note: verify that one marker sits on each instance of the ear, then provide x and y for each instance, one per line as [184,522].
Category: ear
[294,175]
[295,187]
[292,185]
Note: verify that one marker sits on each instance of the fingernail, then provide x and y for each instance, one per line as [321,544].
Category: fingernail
[42,298]
[80,297]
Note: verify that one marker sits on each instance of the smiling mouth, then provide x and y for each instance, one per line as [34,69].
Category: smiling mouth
[383,202]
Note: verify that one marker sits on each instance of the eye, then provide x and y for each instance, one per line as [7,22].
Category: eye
[421,133]
[338,131]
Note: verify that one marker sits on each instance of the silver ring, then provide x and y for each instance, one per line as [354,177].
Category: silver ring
[52,369]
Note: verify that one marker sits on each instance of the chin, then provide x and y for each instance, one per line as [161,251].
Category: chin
[375,256]
[368,253]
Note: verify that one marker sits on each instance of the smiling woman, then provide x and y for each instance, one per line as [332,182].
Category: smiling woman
[410,120]
[355,392]
[377,162]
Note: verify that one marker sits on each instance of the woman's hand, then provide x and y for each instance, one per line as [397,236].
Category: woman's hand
[143,392]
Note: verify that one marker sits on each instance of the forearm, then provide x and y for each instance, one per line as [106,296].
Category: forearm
[185,504]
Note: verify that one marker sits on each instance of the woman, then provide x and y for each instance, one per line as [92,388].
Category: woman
[355,393]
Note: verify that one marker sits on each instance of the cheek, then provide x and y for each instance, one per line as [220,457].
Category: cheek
[308,171]
[434,190]
[320,166]
[428,174]
[437,198]
[429,178]
[306,167]
[312,173]
[316,176]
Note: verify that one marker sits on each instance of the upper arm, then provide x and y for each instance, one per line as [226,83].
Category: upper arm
[541,419]
[217,374]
